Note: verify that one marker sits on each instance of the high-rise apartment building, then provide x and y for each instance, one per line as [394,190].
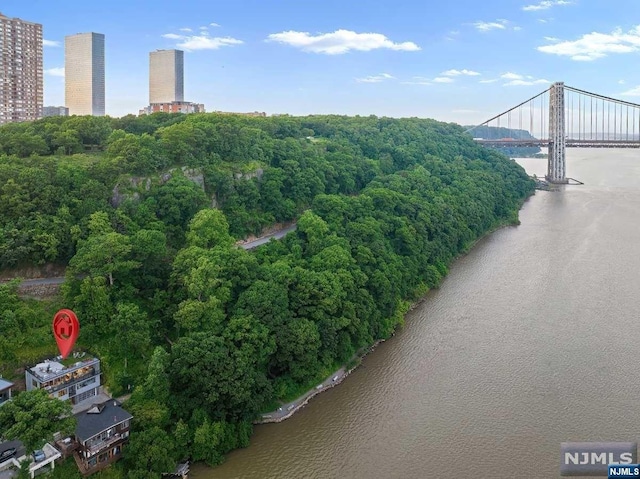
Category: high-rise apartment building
[166,76]
[84,74]
[21,85]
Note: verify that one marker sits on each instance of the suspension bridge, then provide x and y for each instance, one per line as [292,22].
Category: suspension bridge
[563,117]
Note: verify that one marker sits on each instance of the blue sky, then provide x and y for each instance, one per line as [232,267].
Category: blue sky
[460,61]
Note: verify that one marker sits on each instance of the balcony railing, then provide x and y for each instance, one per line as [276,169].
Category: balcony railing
[71,382]
[105,444]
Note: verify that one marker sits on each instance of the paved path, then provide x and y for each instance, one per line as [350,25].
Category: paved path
[42,281]
[248,245]
[287,410]
[265,239]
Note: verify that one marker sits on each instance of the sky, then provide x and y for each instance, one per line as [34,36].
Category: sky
[458,61]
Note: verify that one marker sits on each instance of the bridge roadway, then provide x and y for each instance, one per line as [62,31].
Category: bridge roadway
[568,143]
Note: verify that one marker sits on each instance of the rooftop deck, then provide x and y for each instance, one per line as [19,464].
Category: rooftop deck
[57,367]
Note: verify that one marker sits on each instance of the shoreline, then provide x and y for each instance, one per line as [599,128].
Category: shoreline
[294,406]
[301,401]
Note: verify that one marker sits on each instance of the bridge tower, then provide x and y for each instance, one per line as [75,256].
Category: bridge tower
[556,170]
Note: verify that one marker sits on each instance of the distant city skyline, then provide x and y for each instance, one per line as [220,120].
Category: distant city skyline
[462,61]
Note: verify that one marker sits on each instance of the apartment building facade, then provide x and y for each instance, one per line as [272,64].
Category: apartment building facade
[166,76]
[84,82]
[21,82]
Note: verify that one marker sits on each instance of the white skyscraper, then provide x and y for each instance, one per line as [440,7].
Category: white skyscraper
[84,74]
[166,76]
[21,85]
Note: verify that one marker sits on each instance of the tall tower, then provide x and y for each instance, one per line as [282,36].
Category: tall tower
[84,74]
[556,170]
[21,85]
[166,76]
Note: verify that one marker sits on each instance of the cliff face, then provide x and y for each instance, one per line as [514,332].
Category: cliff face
[130,187]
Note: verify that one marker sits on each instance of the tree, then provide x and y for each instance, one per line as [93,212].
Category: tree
[150,452]
[130,330]
[104,255]
[208,229]
[33,416]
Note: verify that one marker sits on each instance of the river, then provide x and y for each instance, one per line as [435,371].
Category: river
[533,339]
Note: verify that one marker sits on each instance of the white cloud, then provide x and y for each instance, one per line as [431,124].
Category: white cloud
[213,24]
[339,42]
[516,79]
[55,72]
[50,43]
[185,30]
[511,76]
[621,82]
[545,5]
[416,82]
[445,77]
[455,73]
[499,24]
[489,81]
[633,92]
[552,39]
[202,41]
[487,26]
[375,78]
[204,28]
[594,45]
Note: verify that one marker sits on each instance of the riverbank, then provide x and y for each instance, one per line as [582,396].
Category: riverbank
[287,410]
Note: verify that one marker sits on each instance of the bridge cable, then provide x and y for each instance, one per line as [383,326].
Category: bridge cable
[603,97]
[511,109]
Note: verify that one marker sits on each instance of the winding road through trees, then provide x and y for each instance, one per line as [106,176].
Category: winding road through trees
[57,280]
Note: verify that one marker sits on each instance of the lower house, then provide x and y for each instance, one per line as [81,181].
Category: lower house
[5,390]
[101,433]
[13,454]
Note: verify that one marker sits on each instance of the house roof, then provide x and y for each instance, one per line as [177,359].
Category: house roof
[4,384]
[98,418]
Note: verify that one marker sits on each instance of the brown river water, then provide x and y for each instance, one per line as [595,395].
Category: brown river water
[533,339]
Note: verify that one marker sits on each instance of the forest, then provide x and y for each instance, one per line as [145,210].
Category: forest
[496,133]
[145,213]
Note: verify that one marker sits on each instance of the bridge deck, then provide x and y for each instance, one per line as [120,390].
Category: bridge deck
[569,143]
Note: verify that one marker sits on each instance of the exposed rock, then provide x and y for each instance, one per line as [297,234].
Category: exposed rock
[251,174]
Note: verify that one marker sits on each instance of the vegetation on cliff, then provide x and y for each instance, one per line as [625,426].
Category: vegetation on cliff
[205,334]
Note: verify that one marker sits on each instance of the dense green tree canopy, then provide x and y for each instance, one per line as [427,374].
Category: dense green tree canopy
[145,212]
[33,417]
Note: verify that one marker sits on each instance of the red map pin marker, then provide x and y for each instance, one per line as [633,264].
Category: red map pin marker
[65,329]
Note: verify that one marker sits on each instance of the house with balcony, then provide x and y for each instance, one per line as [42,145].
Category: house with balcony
[101,433]
[5,390]
[75,379]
